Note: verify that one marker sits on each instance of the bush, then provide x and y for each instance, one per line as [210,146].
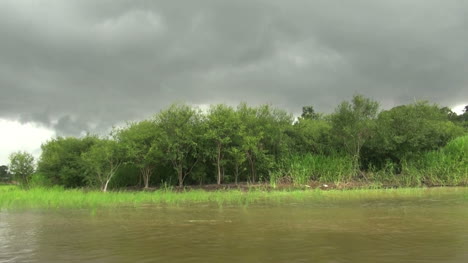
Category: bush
[447,166]
[300,169]
[40,180]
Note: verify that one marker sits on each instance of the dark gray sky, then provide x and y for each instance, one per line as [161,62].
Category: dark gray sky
[86,65]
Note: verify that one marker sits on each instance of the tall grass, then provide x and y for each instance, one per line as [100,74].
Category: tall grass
[301,169]
[12,197]
[447,166]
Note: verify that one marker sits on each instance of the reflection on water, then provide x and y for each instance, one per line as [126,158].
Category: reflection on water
[385,231]
[18,237]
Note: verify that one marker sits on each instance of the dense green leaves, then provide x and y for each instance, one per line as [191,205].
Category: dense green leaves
[184,145]
[61,160]
[4,174]
[181,138]
[311,136]
[407,131]
[223,125]
[102,162]
[353,124]
[22,166]
[140,142]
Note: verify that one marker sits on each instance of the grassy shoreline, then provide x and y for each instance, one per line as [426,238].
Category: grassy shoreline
[13,197]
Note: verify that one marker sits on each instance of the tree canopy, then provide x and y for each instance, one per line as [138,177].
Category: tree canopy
[22,166]
[184,145]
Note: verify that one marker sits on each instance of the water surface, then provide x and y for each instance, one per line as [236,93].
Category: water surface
[392,230]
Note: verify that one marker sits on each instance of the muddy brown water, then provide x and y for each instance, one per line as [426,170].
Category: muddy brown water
[416,230]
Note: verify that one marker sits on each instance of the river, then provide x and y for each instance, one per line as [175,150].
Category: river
[390,230]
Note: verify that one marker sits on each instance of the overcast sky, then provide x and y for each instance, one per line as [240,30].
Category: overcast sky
[72,66]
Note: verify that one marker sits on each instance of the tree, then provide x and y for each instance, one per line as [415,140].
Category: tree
[251,134]
[263,137]
[181,138]
[463,118]
[61,160]
[406,131]
[22,166]
[452,116]
[222,126]
[140,141]
[274,123]
[4,174]
[352,125]
[311,136]
[102,161]
[309,113]
[237,158]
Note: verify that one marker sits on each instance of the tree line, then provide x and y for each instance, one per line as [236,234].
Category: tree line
[183,145]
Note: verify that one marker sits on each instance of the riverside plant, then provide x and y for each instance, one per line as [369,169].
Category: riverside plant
[447,166]
[13,197]
[302,169]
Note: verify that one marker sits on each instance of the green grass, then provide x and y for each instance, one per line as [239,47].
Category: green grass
[12,197]
[447,166]
[300,169]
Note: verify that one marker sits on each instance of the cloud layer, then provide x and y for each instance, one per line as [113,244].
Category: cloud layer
[85,65]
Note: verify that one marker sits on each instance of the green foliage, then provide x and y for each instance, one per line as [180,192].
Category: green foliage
[140,142]
[274,123]
[311,136]
[61,160]
[4,174]
[353,124]
[223,125]
[237,160]
[102,161]
[447,166]
[128,175]
[181,138]
[12,197]
[408,131]
[251,136]
[22,166]
[182,145]
[40,180]
[301,169]
[264,138]
[462,119]
[308,113]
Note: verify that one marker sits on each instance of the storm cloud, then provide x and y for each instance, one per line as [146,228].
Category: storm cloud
[81,65]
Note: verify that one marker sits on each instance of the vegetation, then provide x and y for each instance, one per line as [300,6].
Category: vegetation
[102,162]
[353,124]
[409,145]
[4,174]
[22,166]
[447,166]
[12,197]
[61,160]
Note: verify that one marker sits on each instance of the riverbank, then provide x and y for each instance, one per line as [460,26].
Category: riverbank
[13,197]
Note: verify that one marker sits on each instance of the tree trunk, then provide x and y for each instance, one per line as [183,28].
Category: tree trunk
[180,175]
[146,181]
[218,164]
[104,189]
[252,166]
[146,173]
[113,169]
[140,176]
[222,173]
[254,173]
[237,173]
